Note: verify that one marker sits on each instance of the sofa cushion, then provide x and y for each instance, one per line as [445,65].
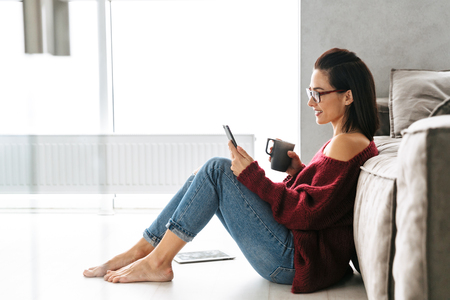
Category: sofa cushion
[413,95]
[423,206]
[441,109]
[374,215]
[383,116]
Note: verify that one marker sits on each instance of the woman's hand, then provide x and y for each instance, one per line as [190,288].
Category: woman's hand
[240,160]
[296,164]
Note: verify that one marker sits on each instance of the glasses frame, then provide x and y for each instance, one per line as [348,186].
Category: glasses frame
[314,94]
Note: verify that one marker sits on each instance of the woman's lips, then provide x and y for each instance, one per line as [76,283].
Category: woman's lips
[318,112]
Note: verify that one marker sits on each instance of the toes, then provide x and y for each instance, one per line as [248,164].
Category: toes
[123,279]
[115,279]
[95,272]
[107,276]
[90,272]
[116,276]
[112,277]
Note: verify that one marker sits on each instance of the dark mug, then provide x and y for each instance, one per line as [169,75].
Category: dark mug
[280,160]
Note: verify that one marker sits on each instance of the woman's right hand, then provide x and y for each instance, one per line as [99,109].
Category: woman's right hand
[296,164]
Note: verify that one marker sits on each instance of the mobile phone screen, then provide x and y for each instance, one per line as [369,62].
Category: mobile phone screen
[230,135]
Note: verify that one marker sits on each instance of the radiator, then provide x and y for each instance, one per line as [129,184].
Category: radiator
[106,164]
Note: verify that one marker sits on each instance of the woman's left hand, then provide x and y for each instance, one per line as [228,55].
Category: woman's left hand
[240,160]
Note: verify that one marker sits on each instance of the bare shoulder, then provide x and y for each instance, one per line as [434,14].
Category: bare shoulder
[344,147]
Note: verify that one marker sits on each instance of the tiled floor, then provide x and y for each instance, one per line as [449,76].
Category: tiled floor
[44,254]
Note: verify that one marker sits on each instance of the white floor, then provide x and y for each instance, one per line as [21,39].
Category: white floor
[43,255]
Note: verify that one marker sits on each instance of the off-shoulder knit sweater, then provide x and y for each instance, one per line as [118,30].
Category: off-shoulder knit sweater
[317,206]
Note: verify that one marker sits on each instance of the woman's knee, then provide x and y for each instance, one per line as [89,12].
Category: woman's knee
[215,162]
[219,163]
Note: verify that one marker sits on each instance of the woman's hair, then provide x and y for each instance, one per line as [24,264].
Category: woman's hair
[346,71]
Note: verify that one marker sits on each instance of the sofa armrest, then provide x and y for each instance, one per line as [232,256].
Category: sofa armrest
[422,214]
[374,219]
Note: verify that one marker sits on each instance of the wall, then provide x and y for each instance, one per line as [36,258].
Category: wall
[384,34]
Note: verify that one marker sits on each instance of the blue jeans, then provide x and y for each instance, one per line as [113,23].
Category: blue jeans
[267,245]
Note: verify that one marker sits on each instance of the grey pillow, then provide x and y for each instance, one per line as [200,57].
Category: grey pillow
[441,109]
[413,95]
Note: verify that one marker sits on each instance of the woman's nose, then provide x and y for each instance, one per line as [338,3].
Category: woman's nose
[311,102]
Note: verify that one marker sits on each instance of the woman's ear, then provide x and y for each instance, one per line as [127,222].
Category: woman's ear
[348,97]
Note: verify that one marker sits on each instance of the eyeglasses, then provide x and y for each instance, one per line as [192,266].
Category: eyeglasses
[316,95]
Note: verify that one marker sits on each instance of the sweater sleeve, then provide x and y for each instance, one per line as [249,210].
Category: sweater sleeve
[289,180]
[320,203]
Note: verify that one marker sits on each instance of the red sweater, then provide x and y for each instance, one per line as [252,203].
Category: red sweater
[317,206]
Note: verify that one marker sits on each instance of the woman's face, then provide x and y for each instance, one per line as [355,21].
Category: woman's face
[332,106]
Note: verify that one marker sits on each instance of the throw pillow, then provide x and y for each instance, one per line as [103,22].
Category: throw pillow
[441,109]
[413,94]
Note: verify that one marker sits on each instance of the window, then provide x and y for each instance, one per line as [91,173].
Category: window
[191,66]
[44,94]
[184,67]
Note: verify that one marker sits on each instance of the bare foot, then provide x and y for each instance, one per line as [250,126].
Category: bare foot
[138,251]
[96,271]
[142,270]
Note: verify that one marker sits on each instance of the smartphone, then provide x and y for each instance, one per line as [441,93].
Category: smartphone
[230,135]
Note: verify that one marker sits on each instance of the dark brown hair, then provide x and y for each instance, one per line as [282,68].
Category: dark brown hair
[346,71]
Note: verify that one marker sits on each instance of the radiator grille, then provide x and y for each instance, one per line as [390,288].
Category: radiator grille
[106,163]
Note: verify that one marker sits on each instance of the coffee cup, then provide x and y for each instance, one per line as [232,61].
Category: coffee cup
[280,160]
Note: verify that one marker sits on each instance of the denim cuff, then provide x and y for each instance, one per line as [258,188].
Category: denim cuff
[151,238]
[180,231]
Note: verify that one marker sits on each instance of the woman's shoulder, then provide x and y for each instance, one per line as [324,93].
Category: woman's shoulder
[344,147]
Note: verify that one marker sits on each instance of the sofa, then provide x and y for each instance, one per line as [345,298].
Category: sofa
[402,205]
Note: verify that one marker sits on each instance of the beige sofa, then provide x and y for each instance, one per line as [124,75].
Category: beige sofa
[402,208]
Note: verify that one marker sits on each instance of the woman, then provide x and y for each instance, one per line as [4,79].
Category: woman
[296,232]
